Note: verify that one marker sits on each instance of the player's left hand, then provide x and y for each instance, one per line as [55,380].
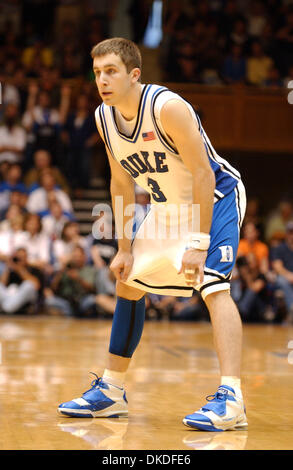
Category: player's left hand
[193,260]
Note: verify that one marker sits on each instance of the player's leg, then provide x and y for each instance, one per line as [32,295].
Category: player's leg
[127,328]
[227,332]
[107,397]
[225,410]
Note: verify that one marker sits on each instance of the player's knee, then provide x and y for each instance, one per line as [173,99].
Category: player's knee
[217,296]
[127,292]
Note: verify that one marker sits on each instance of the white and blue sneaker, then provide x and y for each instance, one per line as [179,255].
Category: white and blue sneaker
[102,400]
[224,411]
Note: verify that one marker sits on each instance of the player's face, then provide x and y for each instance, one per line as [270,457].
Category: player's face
[112,79]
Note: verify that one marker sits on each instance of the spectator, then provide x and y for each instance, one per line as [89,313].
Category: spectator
[20,199]
[275,229]
[11,184]
[10,93]
[70,62]
[187,70]
[230,16]
[53,223]
[49,81]
[11,239]
[185,63]
[159,306]
[12,49]
[66,34]
[234,67]
[80,134]
[38,200]
[176,309]
[239,34]
[70,237]
[101,13]
[42,121]
[258,65]
[250,243]
[4,166]
[37,52]
[97,24]
[28,34]
[15,90]
[12,212]
[267,40]
[12,136]
[73,287]
[36,242]
[249,289]
[42,161]
[177,21]
[214,47]
[20,283]
[256,18]
[191,309]
[282,262]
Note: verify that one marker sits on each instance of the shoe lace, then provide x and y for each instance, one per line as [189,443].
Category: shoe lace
[96,382]
[218,396]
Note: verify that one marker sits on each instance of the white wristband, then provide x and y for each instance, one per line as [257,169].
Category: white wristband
[198,241]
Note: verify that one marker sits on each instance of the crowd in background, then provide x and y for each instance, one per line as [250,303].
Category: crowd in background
[229,42]
[206,41]
[48,139]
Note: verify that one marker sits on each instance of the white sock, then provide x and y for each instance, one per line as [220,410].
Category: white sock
[234,382]
[114,378]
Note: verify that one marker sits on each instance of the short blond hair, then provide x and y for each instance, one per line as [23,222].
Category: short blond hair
[127,50]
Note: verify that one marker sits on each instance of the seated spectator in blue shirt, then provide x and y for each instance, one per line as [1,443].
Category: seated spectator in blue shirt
[234,67]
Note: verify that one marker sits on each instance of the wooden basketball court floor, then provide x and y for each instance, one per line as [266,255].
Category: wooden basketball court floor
[45,361]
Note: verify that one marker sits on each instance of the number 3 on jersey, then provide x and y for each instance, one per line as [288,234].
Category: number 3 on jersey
[157,194]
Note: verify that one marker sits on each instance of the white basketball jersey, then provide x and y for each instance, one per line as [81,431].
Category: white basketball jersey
[150,157]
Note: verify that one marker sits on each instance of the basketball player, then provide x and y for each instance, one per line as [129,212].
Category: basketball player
[154,138]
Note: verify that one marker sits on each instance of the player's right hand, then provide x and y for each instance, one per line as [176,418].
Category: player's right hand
[121,265]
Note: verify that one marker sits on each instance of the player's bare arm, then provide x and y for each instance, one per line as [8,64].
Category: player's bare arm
[181,128]
[121,185]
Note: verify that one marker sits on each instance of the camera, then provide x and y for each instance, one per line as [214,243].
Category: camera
[15,259]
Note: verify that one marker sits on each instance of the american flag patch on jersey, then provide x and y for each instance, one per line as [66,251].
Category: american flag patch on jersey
[148,135]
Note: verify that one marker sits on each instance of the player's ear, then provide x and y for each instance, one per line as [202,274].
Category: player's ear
[135,74]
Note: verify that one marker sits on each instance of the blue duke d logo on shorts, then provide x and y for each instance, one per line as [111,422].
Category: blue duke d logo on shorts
[227,254]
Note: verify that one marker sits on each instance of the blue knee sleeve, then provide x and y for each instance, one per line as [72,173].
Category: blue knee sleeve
[127,326]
